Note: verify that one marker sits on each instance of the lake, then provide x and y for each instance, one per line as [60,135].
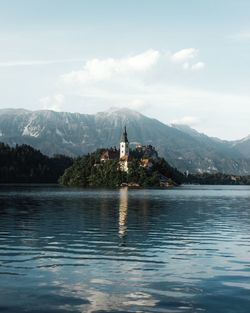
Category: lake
[185,249]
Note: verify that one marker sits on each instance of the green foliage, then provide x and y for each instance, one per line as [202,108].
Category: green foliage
[166,170]
[142,176]
[86,172]
[89,172]
[218,179]
[23,164]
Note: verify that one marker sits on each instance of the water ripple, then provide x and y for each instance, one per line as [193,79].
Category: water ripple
[72,250]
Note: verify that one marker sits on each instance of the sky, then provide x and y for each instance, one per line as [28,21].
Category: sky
[180,61]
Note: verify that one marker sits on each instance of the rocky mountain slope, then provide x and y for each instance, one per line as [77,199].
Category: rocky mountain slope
[243,146]
[76,134]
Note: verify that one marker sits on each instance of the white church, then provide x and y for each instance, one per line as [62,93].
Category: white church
[147,152]
[124,151]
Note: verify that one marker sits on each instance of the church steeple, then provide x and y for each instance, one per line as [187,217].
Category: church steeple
[124,135]
[124,144]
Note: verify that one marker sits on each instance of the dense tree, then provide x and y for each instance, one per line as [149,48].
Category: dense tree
[24,164]
[88,171]
[217,179]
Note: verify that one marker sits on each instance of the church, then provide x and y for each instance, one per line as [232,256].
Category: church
[124,151]
[113,153]
[145,154]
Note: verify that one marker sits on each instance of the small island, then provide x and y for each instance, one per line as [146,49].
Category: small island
[138,167]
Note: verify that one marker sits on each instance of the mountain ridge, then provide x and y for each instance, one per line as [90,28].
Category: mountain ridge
[76,134]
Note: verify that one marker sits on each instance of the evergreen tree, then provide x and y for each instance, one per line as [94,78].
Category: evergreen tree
[23,164]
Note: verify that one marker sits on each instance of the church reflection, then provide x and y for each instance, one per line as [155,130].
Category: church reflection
[123,212]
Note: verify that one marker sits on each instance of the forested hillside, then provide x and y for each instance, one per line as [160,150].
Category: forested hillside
[24,164]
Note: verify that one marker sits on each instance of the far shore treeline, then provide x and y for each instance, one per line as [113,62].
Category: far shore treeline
[24,164]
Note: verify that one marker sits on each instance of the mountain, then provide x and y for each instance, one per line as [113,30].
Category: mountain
[243,146]
[76,134]
[239,147]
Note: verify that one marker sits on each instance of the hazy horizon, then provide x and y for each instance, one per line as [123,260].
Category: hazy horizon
[179,62]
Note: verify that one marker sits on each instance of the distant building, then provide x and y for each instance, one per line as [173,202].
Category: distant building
[109,154]
[146,163]
[146,151]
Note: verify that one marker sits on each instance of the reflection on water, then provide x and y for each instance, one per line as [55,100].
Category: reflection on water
[123,211]
[72,250]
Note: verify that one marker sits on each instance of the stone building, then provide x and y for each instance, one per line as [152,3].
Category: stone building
[109,154]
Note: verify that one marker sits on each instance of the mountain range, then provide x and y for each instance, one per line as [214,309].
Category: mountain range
[76,134]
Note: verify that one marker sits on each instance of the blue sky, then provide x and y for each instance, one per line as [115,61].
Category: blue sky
[178,61]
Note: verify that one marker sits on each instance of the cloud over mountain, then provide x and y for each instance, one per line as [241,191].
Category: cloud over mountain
[160,83]
[96,70]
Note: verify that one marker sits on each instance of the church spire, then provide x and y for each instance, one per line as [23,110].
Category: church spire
[124,135]
[124,150]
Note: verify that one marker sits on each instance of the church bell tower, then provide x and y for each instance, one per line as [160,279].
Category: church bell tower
[124,144]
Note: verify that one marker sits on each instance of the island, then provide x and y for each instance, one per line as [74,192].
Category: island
[138,167]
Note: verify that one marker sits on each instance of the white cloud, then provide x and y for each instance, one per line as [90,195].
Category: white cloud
[193,67]
[100,70]
[128,69]
[184,58]
[150,81]
[184,55]
[198,66]
[138,104]
[186,120]
[186,66]
[164,99]
[141,82]
[54,102]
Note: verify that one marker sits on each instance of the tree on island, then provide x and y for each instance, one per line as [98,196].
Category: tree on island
[88,171]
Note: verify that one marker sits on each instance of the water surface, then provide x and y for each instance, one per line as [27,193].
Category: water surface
[73,250]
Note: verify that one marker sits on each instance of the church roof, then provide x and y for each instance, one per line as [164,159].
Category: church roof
[124,137]
[124,158]
[110,154]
